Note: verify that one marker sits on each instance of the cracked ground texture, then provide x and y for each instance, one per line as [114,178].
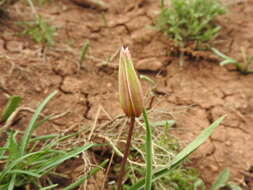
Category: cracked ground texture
[196,95]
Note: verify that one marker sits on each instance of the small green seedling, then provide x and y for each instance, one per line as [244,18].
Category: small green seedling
[40,31]
[190,20]
[243,67]
[83,53]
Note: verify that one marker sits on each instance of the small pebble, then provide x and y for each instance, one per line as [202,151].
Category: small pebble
[149,64]
[14,46]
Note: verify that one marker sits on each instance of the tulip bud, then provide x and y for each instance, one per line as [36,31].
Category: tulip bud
[130,90]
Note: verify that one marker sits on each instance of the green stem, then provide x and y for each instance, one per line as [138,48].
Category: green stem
[149,148]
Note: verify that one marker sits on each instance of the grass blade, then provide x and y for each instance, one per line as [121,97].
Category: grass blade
[197,142]
[32,123]
[24,172]
[163,123]
[12,182]
[49,187]
[182,155]
[221,180]
[234,187]
[11,106]
[83,53]
[83,178]
[148,177]
[62,158]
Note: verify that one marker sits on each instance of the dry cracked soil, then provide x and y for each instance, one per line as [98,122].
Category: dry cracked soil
[194,95]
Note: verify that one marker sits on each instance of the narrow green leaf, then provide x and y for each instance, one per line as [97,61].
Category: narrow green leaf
[199,184]
[10,107]
[49,187]
[182,155]
[24,172]
[31,125]
[16,162]
[12,182]
[58,160]
[234,187]
[83,53]
[163,123]
[83,178]
[44,137]
[13,148]
[227,62]
[149,154]
[148,79]
[197,142]
[221,180]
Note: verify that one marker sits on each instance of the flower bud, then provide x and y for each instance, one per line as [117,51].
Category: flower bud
[130,90]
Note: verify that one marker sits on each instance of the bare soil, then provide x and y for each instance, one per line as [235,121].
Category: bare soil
[195,94]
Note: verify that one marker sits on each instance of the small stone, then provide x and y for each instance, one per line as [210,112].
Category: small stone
[98,4]
[71,85]
[143,35]
[64,68]
[228,143]
[214,168]
[14,46]
[149,64]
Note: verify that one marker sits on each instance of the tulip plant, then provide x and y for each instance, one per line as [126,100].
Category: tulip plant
[131,101]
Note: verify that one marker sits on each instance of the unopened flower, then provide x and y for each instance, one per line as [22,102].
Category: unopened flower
[130,90]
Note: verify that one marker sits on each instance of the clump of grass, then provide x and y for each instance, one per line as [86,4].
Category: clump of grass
[190,20]
[241,66]
[25,158]
[40,31]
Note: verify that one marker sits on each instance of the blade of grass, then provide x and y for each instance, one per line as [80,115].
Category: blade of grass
[32,123]
[61,158]
[163,123]
[49,187]
[16,162]
[149,154]
[234,187]
[182,155]
[83,178]
[45,137]
[29,173]
[83,53]
[10,107]
[12,182]
[221,180]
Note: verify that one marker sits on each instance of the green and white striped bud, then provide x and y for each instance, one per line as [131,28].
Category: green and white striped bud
[130,89]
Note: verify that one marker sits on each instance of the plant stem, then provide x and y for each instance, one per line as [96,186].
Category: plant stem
[123,162]
[149,148]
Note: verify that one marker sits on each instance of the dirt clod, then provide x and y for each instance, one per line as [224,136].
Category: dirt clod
[149,64]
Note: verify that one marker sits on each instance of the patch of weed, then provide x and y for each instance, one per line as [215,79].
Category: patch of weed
[190,20]
[241,66]
[39,30]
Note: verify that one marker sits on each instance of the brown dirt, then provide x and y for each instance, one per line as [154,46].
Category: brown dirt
[196,94]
